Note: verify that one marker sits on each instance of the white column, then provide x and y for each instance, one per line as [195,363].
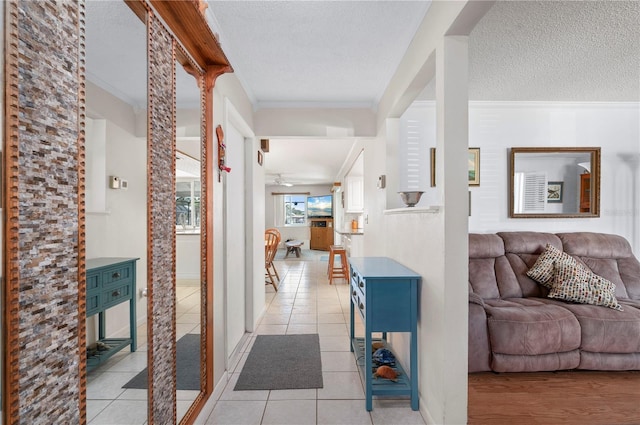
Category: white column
[452,152]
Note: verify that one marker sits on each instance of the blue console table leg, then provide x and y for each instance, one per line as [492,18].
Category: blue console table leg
[102,326]
[133,323]
[414,348]
[368,365]
[353,335]
[414,371]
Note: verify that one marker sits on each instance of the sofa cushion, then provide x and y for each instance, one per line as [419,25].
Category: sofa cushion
[490,274]
[609,256]
[574,282]
[604,330]
[528,243]
[479,349]
[485,245]
[530,326]
[542,362]
[609,361]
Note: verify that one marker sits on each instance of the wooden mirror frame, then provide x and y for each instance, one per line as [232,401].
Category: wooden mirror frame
[196,48]
[594,153]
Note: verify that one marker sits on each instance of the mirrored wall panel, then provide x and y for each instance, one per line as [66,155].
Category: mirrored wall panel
[116,214]
[189,255]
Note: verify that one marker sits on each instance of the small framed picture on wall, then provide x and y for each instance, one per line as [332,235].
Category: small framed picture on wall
[554,192]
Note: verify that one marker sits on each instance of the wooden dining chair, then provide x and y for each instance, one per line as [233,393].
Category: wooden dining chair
[272,266]
[271,241]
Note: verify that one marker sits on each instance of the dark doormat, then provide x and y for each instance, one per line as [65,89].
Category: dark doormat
[187,366]
[282,362]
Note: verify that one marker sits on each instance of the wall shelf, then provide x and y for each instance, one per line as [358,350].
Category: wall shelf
[413,210]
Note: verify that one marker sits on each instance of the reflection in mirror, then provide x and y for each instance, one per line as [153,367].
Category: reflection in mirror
[554,182]
[116,214]
[187,193]
[188,241]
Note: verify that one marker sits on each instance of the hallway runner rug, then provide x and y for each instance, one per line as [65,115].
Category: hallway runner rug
[282,362]
[187,366]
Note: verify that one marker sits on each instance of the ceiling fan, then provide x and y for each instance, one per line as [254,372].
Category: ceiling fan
[280,182]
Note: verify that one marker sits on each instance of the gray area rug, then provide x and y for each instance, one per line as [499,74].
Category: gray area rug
[187,366]
[282,362]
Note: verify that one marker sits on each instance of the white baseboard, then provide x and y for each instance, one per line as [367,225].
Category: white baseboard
[211,403]
[425,413]
[219,388]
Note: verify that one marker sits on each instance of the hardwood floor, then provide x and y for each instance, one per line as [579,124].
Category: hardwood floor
[554,398]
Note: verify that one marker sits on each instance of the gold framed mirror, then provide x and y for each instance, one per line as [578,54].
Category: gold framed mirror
[562,182]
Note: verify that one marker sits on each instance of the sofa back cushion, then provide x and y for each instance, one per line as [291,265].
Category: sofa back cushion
[490,275]
[522,250]
[609,256]
[498,263]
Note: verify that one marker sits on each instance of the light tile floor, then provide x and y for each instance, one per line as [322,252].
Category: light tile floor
[306,303]
[110,404]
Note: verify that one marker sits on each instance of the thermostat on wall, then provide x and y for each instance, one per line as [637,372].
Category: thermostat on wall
[114,182]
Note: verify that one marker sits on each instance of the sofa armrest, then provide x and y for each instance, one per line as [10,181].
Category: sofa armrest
[476,299]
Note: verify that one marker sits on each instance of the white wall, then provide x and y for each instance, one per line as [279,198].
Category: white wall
[315,122]
[495,127]
[255,201]
[235,241]
[422,116]
[226,91]
[188,256]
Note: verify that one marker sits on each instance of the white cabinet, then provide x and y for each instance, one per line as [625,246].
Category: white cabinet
[355,194]
[353,245]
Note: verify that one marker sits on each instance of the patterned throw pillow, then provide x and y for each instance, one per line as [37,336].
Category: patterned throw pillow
[542,270]
[578,284]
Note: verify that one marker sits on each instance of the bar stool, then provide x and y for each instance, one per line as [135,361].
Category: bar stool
[342,270]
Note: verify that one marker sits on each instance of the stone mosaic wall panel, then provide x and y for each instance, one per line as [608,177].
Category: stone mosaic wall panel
[43,211]
[162,222]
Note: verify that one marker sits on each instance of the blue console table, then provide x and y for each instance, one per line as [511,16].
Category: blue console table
[385,294]
[110,281]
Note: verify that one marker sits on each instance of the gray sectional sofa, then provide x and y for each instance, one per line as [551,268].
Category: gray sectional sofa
[514,327]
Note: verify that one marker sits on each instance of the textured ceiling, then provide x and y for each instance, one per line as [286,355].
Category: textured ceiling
[557,51]
[336,53]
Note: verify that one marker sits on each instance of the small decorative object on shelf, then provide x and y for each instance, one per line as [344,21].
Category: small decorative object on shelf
[386,372]
[410,199]
[382,356]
